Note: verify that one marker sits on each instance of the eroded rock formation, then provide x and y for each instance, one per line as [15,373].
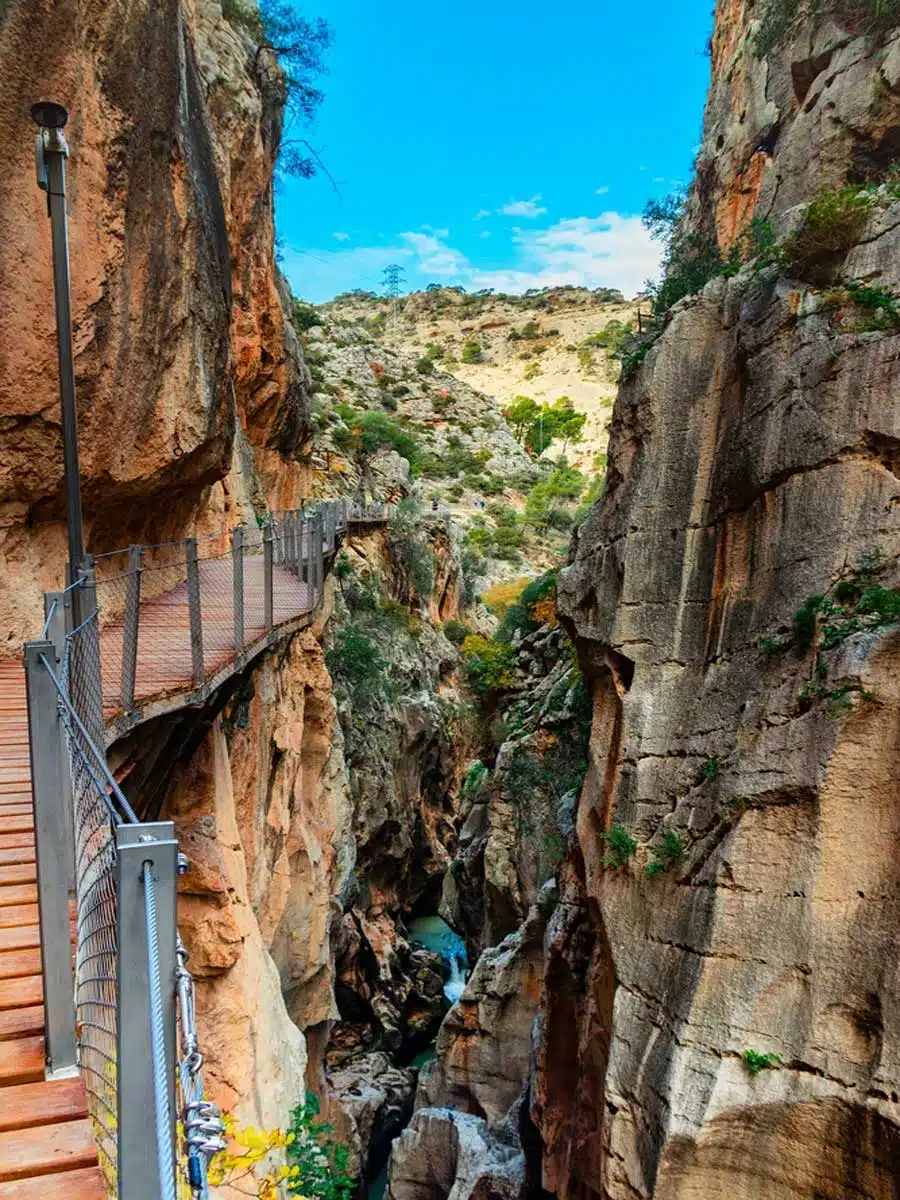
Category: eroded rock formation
[752,466]
[192,398]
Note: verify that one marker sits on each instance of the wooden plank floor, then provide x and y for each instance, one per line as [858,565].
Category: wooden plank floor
[47,1147]
[164,663]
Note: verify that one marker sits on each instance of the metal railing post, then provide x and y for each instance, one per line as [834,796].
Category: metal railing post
[296,541]
[130,627]
[193,591]
[268,575]
[303,568]
[319,549]
[53,843]
[138,1071]
[85,673]
[58,615]
[237,559]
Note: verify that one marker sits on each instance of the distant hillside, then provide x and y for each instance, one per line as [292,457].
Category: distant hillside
[544,345]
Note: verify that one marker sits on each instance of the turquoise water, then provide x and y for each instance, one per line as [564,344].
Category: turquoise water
[436,935]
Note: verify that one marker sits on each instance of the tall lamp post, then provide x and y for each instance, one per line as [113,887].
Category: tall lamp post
[51,152]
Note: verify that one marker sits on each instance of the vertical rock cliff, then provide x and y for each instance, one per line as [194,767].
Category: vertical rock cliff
[723,1024]
[191,390]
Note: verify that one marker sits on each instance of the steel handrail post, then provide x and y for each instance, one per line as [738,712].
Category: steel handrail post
[237,559]
[53,846]
[194,610]
[130,627]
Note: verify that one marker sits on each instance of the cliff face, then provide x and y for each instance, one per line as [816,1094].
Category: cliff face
[819,109]
[191,395]
[751,755]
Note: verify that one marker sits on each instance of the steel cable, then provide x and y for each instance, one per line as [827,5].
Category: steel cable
[163,1118]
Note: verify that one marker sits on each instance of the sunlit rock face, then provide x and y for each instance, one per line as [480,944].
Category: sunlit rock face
[192,395]
[752,465]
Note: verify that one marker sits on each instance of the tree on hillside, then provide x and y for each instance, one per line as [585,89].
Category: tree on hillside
[521,415]
[546,497]
[555,422]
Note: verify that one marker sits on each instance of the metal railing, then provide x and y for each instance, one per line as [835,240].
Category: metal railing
[113,1015]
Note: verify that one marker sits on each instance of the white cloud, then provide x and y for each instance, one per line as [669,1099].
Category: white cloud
[435,256]
[659,179]
[610,250]
[484,212]
[606,251]
[601,191]
[523,208]
[341,237]
[484,234]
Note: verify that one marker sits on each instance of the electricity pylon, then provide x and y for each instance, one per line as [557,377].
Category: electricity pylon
[392,273]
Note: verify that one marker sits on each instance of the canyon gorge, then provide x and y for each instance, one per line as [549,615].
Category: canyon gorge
[557,856]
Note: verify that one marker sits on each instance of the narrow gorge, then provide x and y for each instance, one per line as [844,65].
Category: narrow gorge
[557,854]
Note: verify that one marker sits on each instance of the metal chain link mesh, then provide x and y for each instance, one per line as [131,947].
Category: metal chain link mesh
[95,891]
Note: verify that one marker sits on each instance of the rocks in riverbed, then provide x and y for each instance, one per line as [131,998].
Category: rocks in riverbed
[444,1151]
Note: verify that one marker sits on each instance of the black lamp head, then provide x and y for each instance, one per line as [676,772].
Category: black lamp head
[49,115]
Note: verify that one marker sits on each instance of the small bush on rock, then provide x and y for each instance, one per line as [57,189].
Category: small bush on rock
[756,1062]
[621,846]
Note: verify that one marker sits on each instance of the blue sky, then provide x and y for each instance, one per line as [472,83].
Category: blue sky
[495,144]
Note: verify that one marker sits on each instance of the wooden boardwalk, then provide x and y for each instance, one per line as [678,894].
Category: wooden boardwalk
[164,664]
[46,1144]
[47,1149]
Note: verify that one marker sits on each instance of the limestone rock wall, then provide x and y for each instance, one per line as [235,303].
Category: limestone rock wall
[261,812]
[816,111]
[753,465]
[192,394]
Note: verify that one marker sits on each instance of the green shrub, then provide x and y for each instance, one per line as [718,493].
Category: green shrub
[778,18]
[425,366]
[472,353]
[319,1164]
[520,617]
[831,225]
[475,779]
[711,769]
[456,632]
[357,663]
[488,665]
[544,500]
[621,846]
[368,432]
[304,316]
[389,403]
[671,854]
[756,1062]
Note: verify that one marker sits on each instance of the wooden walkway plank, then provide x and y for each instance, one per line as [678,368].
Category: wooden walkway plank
[45,1149]
[84,1184]
[33,1104]
[20,1022]
[21,1061]
[21,993]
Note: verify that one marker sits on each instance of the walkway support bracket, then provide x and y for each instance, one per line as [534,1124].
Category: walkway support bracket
[136,844]
[53,842]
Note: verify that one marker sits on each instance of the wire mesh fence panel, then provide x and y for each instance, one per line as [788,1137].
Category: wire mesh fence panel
[174,615]
[95,890]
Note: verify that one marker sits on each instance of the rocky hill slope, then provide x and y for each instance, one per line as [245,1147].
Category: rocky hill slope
[549,343]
